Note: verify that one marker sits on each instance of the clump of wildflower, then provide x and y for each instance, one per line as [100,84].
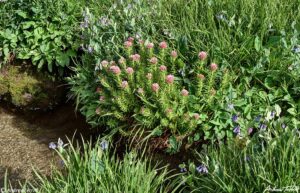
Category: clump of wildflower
[202,55]
[155,87]
[129,70]
[153,60]
[202,169]
[122,60]
[90,49]
[99,90]
[124,84]
[127,44]
[162,68]
[104,144]
[230,106]
[170,79]
[115,69]
[135,57]
[235,118]
[149,76]
[213,67]
[140,91]
[98,111]
[262,126]
[250,130]
[52,145]
[174,54]
[104,63]
[130,39]
[237,130]
[283,125]
[184,92]
[150,45]
[163,45]
[201,76]
[101,98]
[196,116]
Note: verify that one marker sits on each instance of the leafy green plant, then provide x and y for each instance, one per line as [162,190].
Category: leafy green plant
[93,168]
[153,90]
[43,32]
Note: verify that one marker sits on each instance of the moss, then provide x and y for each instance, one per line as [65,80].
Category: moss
[25,89]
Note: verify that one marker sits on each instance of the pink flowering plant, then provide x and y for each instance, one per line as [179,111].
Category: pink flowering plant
[145,88]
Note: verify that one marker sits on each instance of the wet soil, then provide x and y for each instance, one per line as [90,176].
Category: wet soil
[24,139]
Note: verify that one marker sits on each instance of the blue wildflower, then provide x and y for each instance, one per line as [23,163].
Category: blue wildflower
[90,49]
[257,119]
[273,114]
[182,170]
[202,169]
[230,106]
[237,130]
[52,145]
[104,144]
[235,118]
[262,126]
[296,49]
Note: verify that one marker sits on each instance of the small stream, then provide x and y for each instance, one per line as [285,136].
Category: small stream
[24,139]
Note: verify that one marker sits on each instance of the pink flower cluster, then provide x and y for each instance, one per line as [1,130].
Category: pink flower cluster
[170,79]
[115,69]
[127,44]
[174,54]
[155,87]
[104,63]
[153,60]
[184,92]
[163,45]
[213,67]
[150,45]
[129,70]
[202,55]
[201,76]
[135,57]
[124,84]
[162,68]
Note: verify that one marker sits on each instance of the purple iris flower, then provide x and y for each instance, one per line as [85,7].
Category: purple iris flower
[52,145]
[262,126]
[250,130]
[237,130]
[235,118]
[202,169]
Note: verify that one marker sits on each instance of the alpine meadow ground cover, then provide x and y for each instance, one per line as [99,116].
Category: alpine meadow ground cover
[254,45]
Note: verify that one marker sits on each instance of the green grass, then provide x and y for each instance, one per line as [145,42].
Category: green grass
[92,169]
[264,163]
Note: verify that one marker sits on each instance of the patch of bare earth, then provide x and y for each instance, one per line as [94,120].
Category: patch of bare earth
[24,140]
